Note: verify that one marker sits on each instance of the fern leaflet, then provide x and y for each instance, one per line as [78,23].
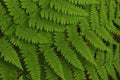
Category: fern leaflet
[71,57]
[79,44]
[30,55]
[9,53]
[52,60]
[7,71]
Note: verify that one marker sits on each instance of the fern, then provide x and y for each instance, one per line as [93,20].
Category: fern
[4,20]
[83,49]
[104,20]
[95,40]
[35,37]
[112,10]
[50,75]
[69,9]
[29,5]
[14,8]
[78,74]
[29,51]
[66,70]
[58,17]
[91,71]
[7,71]
[83,2]
[59,39]
[101,70]
[109,65]
[21,78]
[117,21]
[54,62]
[71,57]
[100,30]
[113,29]
[43,24]
[116,59]
[10,56]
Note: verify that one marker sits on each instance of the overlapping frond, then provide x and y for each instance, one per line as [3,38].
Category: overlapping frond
[91,70]
[70,9]
[79,44]
[66,70]
[101,70]
[43,24]
[8,53]
[31,60]
[32,35]
[50,74]
[116,59]
[7,71]
[58,17]
[109,64]
[5,20]
[100,30]
[59,39]
[15,11]
[29,5]
[78,74]
[83,1]
[67,51]
[52,60]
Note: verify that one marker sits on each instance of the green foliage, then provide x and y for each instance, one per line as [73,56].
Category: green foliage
[59,39]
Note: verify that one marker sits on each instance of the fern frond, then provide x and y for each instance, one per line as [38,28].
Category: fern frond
[83,2]
[50,74]
[30,56]
[103,13]
[117,58]
[101,70]
[100,30]
[91,70]
[91,36]
[67,52]
[14,40]
[43,24]
[66,69]
[15,11]
[59,39]
[52,59]
[49,26]
[109,64]
[70,9]
[79,44]
[111,10]
[118,9]
[32,35]
[6,25]
[21,78]
[78,74]
[112,28]
[96,41]
[4,20]
[8,52]
[31,8]
[104,19]
[44,4]
[58,17]
[35,0]
[103,33]
[117,21]
[7,71]
[29,5]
